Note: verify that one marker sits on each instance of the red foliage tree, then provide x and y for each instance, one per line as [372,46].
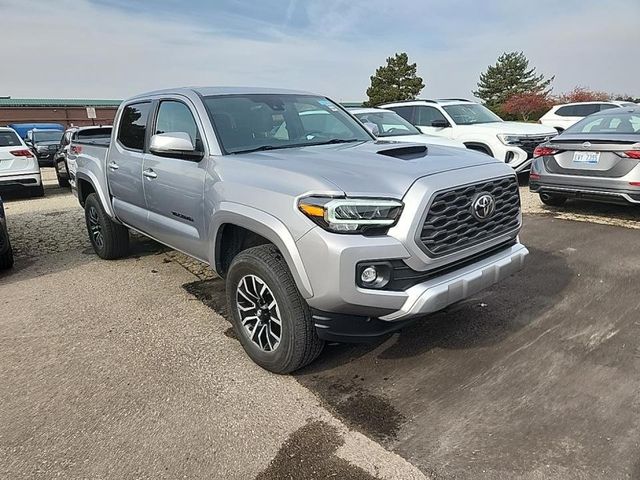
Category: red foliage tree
[528,106]
[582,94]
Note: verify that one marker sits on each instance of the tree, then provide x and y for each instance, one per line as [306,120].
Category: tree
[397,80]
[583,94]
[509,76]
[527,106]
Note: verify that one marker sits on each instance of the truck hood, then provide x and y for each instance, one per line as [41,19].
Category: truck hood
[517,128]
[380,169]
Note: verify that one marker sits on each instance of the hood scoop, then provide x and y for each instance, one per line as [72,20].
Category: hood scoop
[405,152]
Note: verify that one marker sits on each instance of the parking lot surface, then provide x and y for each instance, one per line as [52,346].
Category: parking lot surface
[122,370]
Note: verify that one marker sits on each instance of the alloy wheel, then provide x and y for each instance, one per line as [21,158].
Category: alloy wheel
[259,312]
[95,229]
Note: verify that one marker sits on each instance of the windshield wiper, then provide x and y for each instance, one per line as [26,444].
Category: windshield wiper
[263,148]
[336,140]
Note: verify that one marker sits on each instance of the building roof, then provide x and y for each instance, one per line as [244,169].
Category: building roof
[56,102]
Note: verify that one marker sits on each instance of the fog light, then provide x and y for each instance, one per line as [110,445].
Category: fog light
[369,275]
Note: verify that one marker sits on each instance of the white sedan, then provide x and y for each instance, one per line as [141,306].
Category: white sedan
[388,125]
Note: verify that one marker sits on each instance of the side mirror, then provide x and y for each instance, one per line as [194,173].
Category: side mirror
[174,144]
[440,124]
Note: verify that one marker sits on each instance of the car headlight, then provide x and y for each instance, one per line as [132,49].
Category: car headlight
[352,215]
[509,139]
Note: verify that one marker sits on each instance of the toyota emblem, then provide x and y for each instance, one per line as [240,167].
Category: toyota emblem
[483,206]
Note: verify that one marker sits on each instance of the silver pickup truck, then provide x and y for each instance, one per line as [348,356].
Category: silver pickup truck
[321,232]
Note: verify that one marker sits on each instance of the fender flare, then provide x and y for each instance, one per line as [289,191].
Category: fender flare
[270,228]
[104,197]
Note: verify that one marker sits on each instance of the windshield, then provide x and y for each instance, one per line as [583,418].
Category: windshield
[47,136]
[250,122]
[9,139]
[387,124]
[471,114]
[625,123]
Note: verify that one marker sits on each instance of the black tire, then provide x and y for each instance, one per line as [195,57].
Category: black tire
[6,259]
[553,200]
[62,182]
[37,191]
[299,344]
[109,240]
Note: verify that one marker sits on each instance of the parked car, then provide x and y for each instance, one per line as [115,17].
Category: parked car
[477,127]
[320,234]
[563,116]
[44,144]
[598,158]
[6,253]
[64,158]
[23,129]
[19,169]
[388,125]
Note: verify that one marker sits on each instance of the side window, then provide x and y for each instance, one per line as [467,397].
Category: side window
[133,125]
[607,106]
[426,115]
[406,112]
[586,110]
[566,111]
[176,117]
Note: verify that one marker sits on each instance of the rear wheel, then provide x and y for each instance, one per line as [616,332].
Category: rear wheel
[6,259]
[110,240]
[553,200]
[270,317]
[37,191]
[63,182]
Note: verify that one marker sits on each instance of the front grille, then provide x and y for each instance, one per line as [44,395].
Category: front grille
[529,144]
[450,225]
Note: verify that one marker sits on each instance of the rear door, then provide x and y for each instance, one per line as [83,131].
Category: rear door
[174,185]
[15,157]
[124,165]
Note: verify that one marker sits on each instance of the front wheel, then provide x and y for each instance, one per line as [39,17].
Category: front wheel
[553,200]
[6,259]
[109,240]
[270,317]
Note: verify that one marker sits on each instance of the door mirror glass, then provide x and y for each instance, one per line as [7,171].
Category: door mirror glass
[439,123]
[173,144]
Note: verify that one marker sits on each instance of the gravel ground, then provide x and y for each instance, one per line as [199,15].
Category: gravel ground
[113,370]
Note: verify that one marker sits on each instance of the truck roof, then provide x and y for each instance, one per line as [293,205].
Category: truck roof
[207,91]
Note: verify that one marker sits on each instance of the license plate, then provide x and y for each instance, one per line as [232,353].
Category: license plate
[586,157]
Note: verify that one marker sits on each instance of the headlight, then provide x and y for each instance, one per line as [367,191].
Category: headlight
[509,139]
[351,215]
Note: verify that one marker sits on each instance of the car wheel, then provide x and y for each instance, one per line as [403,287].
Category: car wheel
[62,182]
[110,240]
[6,259]
[553,200]
[270,317]
[37,191]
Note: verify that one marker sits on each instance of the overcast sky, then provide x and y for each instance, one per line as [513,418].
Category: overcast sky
[117,48]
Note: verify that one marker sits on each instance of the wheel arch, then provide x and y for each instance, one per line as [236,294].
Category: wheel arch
[261,228]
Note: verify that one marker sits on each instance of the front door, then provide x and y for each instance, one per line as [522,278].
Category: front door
[124,166]
[174,186]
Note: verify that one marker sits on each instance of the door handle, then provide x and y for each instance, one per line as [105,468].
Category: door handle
[113,166]
[149,173]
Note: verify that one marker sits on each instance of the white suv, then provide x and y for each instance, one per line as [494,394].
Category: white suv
[563,116]
[477,127]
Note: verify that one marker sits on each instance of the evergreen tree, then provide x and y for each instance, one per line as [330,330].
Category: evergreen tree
[510,75]
[397,80]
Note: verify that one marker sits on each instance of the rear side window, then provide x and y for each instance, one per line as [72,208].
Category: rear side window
[426,115]
[567,111]
[176,117]
[405,112]
[9,139]
[133,125]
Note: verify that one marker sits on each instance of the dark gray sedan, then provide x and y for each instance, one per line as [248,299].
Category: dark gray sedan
[598,159]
